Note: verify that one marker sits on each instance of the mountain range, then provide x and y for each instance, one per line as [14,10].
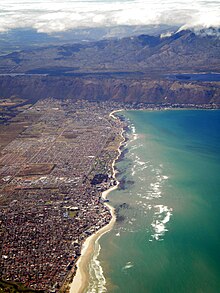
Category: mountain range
[125,69]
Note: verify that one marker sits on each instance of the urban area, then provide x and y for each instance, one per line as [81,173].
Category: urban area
[52,176]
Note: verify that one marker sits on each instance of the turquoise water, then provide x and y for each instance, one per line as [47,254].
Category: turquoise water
[166,239]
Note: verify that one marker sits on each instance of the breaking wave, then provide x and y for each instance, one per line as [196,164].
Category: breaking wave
[128,265]
[97,279]
[162,216]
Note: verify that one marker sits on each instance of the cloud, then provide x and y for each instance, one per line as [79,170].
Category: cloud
[61,15]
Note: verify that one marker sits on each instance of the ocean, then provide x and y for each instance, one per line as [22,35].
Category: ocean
[167,233]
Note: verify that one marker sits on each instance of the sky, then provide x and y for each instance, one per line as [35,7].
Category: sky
[51,16]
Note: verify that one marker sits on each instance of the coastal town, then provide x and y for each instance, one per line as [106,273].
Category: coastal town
[109,146]
[54,167]
[52,177]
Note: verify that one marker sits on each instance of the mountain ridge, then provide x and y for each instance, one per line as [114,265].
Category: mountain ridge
[183,50]
[131,69]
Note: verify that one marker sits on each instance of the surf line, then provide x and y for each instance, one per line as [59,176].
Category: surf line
[81,279]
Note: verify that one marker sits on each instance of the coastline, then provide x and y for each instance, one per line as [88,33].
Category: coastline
[80,280]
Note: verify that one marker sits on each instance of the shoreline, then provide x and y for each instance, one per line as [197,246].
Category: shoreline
[80,280]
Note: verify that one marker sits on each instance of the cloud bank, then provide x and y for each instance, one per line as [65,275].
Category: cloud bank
[51,16]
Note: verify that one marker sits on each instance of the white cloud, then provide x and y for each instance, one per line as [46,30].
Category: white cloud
[57,15]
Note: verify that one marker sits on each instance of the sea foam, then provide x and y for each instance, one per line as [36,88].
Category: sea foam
[128,266]
[97,279]
[162,216]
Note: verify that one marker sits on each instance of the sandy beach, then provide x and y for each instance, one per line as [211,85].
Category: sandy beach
[80,281]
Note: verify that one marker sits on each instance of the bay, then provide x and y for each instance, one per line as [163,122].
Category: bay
[166,238]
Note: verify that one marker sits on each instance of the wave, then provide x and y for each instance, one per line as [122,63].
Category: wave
[162,217]
[136,146]
[97,280]
[149,190]
[127,266]
[138,165]
[134,135]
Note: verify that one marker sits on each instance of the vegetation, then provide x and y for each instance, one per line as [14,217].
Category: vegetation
[12,287]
